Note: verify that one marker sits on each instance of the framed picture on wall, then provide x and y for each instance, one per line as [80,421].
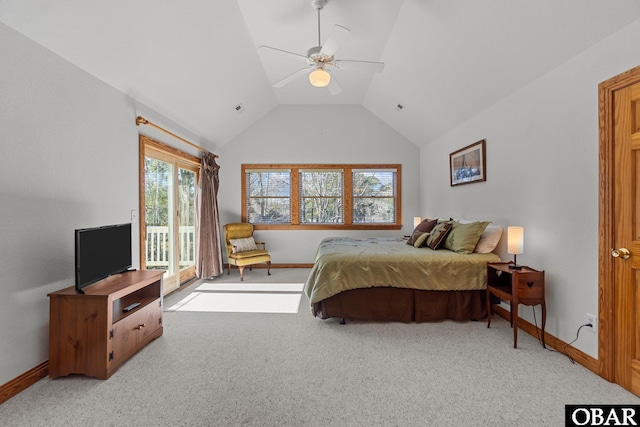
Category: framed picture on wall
[468,164]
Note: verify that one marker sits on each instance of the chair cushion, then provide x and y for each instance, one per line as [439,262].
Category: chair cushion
[249,254]
[249,258]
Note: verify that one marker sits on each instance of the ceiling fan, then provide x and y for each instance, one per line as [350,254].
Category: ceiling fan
[319,58]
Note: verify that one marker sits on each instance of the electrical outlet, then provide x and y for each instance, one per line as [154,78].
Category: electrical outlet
[134,215]
[593,320]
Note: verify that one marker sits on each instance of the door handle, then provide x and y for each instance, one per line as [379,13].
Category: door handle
[621,253]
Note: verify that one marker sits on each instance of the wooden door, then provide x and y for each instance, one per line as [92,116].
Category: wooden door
[619,332]
[627,237]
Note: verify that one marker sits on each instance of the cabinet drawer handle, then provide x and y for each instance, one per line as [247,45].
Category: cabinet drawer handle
[530,284]
[140,326]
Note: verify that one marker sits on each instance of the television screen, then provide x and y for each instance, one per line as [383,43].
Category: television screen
[101,252]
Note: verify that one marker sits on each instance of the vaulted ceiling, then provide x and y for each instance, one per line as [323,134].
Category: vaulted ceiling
[194,61]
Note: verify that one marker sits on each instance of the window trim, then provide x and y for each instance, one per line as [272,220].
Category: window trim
[347,196]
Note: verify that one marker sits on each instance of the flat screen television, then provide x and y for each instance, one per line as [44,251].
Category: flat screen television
[101,252]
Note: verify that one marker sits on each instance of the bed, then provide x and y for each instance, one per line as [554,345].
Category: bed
[385,279]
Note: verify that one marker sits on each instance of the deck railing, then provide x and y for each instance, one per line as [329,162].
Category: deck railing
[157,246]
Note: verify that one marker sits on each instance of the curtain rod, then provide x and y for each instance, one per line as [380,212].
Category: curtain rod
[141,120]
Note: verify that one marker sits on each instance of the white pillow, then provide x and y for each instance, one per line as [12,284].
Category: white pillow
[241,245]
[489,239]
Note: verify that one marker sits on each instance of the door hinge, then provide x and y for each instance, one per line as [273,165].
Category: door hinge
[111,334]
[160,321]
[111,356]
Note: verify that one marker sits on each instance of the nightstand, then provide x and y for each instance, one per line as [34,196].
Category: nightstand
[518,286]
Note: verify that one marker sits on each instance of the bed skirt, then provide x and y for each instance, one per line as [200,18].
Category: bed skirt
[404,305]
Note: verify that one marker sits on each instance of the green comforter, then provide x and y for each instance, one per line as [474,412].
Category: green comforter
[344,263]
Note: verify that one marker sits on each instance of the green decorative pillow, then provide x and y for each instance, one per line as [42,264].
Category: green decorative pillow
[424,227]
[463,238]
[438,234]
[420,241]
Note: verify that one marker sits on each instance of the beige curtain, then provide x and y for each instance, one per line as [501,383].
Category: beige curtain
[209,255]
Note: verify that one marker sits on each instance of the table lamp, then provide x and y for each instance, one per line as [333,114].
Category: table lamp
[515,243]
[416,221]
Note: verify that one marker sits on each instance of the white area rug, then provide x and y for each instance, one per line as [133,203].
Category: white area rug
[243,298]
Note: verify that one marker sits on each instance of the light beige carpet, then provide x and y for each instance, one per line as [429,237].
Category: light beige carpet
[276,369]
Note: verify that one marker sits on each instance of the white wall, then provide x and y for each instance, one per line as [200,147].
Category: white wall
[69,160]
[316,134]
[542,173]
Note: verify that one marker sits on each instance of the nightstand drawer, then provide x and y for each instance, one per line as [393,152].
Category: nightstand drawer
[528,286]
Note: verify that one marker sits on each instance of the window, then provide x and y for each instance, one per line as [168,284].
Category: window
[268,196]
[374,196]
[322,196]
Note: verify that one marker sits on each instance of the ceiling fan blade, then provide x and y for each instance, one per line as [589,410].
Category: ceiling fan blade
[371,66]
[291,77]
[288,54]
[337,35]
[333,86]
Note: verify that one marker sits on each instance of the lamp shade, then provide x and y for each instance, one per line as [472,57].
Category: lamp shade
[319,77]
[416,221]
[515,240]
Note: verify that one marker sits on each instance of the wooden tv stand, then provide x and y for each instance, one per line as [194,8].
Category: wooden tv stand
[91,334]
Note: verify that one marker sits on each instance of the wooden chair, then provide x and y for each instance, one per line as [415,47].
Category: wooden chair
[243,253]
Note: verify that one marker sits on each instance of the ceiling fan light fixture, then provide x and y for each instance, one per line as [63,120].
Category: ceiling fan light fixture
[321,56]
[319,77]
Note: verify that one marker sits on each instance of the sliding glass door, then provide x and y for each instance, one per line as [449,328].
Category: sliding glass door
[168,223]
[158,218]
[187,180]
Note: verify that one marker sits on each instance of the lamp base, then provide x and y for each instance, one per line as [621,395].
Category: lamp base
[515,265]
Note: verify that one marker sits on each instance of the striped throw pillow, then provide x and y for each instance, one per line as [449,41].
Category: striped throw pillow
[241,245]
